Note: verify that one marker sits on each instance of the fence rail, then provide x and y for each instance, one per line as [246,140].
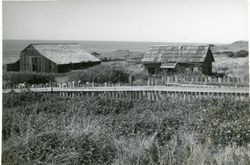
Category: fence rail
[204,80]
[153,81]
[153,93]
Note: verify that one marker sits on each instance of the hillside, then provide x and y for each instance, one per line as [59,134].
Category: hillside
[232,59]
[233,47]
[123,54]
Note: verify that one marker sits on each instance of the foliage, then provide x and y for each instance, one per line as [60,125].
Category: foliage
[46,129]
[100,74]
[15,78]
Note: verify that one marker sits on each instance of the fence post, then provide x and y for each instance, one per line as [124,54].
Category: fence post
[149,82]
[219,79]
[197,79]
[209,79]
[238,80]
[93,84]
[184,79]
[192,79]
[168,79]
[175,78]
[216,80]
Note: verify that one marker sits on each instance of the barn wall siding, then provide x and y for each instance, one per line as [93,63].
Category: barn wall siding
[204,67]
[153,68]
[12,67]
[186,58]
[207,64]
[68,67]
[25,61]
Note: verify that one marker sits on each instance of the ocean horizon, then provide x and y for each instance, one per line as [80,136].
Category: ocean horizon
[12,48]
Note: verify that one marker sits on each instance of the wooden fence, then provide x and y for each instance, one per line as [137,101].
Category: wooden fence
[152,93]
[153,81]
[200,80]
[65,85]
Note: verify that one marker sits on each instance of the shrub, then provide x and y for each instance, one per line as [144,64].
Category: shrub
[100,74]
[168,128]
[31,78]
[241,53]
[21,99]
[105,106]
[49,148]
[222,121]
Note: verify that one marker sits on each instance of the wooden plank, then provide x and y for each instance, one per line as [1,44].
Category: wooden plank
[136,88]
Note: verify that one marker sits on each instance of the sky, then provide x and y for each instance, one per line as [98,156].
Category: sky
[210,21]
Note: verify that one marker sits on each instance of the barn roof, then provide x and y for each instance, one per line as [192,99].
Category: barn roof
[64,53]
[10,60]
[176,54]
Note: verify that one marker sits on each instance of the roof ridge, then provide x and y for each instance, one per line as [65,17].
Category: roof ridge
[179,45]
[54,43]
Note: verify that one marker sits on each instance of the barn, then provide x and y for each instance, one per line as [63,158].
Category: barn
[179,59]
[55,58]
[11,65]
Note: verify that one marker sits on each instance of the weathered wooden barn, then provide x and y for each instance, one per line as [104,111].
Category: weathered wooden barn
[179,59]
[13,65]
[55,58]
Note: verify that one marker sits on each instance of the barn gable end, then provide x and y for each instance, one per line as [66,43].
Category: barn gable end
[55,57]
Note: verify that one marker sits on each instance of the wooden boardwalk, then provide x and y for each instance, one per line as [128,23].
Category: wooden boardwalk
[138,92]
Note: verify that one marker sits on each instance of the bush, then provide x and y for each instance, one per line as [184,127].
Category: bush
[21,99]
[49,148]
[105,106]
[100,74]
[223,121]
[242,53]
[30,78]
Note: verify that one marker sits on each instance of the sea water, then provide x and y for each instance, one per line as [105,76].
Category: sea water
[12,48]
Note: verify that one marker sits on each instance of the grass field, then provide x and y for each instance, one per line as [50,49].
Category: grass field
[234,67]
[39,129]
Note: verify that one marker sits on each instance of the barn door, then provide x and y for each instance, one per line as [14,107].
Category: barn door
[35,65]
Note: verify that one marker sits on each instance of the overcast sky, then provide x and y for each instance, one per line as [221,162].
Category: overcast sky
[214,21]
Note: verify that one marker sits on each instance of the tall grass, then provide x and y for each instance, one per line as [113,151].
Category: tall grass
[98,74]
[51,130]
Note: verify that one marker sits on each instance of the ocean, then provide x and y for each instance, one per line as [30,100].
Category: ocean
[12,48]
